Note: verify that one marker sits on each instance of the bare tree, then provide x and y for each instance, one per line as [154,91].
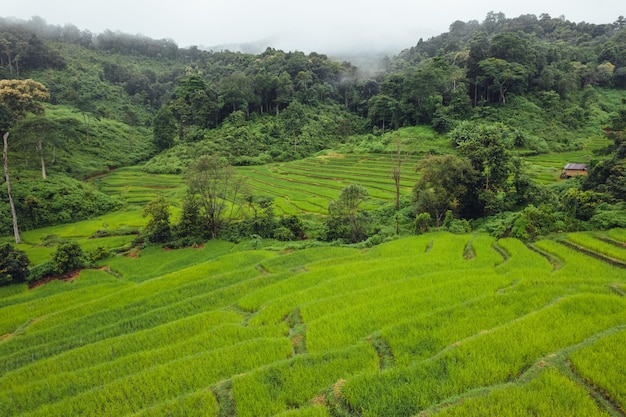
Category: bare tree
[5,160]
[398,158]
[17,98]
[218,188]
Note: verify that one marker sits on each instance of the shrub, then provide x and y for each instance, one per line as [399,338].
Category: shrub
[40,271]
[68,257]
[98,254]
[283,234]
[13,265]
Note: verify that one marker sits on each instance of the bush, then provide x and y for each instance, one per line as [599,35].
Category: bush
[459,226]
[40,271]
[13,265]
[68,257]
[283,234]
[52,201]
[608,219]
[97,254]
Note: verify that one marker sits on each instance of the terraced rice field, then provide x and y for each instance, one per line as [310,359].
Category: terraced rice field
[134,186]
[547,168]
[308,185]
[304,186]
[437,324]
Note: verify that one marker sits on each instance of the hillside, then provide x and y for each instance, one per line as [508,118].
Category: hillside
[284,234]
[438,324]
[117,99]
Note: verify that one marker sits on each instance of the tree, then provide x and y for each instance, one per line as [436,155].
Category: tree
[503,75]
[69,256]
[383,110]
[164,129]
[396,171]
[294,119]
[447,183]
[17,98]
[32,132]
[217,187]
[501,182]
[23,96]
[345,219]
[6,121]
[263,220]
[158,227]
[13,265]
[284,91]
[190,223]
[195,103]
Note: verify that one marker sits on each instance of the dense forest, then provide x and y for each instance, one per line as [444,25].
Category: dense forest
[497,89]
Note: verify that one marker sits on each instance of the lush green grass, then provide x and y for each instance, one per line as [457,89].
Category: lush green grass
[604,364]
[534,398]
[436,323]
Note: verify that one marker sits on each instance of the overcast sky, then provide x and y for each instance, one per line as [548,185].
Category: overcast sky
[324,26]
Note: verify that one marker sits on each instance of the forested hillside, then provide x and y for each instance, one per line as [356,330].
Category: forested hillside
[515,86]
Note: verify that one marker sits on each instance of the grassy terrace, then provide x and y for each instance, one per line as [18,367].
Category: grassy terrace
[134,186]
[416,326]
[308,185]
[546,168]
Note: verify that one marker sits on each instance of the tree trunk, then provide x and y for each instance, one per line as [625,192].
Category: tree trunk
[5,159]
[43,164]
[396,179]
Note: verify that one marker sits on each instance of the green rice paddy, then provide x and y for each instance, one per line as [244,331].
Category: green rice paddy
[437,324]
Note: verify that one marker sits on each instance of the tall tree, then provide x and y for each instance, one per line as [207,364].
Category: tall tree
[158,227]
[32,132]
[17,97]
[164,129]
[398,158]
[217,187]
[503,75]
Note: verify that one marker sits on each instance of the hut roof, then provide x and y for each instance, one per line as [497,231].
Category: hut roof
[576,167]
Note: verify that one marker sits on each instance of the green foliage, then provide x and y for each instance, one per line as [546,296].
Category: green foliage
[57,199]
[40,271]
[164,129]
[422,221]
[7,118]
[77,144]
[297,132]
[346,220]
[13,265]
[158,228]
[68,257]
[534,221]
[447,183]
[218,190]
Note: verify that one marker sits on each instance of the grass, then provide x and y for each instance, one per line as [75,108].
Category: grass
[420,325]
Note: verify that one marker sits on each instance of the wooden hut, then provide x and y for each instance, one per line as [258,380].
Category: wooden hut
[572,170]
